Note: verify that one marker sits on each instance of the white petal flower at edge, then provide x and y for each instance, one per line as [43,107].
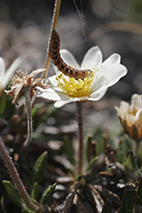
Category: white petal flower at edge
[105,74]
[5,76]
[130,116]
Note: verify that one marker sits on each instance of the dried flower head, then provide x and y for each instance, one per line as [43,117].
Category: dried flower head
[24,84]
[22,81]
[131,116]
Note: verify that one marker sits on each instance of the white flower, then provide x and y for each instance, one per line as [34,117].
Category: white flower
[5,77]
[105,74]
[130,116]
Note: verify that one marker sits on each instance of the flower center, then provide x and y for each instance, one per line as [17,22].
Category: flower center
[75,88]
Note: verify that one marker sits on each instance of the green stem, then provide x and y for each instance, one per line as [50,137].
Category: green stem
[79,106]
[15,177]
[53,27]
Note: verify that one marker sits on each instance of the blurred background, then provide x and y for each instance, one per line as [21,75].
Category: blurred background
[115,26]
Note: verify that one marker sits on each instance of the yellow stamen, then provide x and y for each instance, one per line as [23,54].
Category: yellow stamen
[75,88]
[71,65]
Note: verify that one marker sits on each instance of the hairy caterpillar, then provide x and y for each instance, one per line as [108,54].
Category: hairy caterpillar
[54,52]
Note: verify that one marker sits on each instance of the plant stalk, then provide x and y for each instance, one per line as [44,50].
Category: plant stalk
[53,27]
[79,106]
[15,177]
[29,118]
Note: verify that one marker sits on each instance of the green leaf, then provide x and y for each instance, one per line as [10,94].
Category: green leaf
[91,163]
[68,149]
[97,137]
[39,167]
[26,211]
[128,199]
[125,145]
[12,193]
[130,161]
[50,111]
[128,143]
[81,179]
[120,152]
[2,103]
[47,194]
[35,191]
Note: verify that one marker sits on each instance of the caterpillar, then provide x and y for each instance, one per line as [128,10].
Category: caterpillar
[54,52]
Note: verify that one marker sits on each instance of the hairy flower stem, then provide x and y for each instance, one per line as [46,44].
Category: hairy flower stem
[79,106]
[29,118]
[53,27]
[15,177]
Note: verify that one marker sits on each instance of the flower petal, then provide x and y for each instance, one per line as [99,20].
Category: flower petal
[114,58]
[53,80]
[124,108]
[97,83]
[136,103]
[50,94]
[16,92]
[2,69]
[68,58]
[92,59]
[35,72]
[138,118]
[10,72]
[59,104]
[98,94]
[130,119]
[113,73]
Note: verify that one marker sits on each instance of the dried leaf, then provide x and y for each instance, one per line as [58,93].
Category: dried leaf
[97,200]
[69,203]
[81,208]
